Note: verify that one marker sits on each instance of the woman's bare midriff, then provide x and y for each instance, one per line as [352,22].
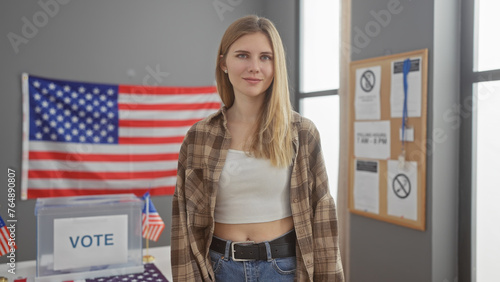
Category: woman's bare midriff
[257,232]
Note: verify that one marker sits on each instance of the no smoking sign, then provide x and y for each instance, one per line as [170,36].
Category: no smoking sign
[401,186]
[367,81]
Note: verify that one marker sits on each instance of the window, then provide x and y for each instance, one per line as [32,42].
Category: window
[319,52]
[318,97]
[479,249]
[324,112]
[488,57]
[487,209]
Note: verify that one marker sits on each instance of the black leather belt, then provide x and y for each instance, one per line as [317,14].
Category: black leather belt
[281,247]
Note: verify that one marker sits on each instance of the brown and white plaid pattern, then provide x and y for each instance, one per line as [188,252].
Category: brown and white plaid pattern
[201,160]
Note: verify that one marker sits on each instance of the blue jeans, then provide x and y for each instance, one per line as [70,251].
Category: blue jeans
[226,269]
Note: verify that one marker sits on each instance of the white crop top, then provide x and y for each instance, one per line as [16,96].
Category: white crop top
[251,190]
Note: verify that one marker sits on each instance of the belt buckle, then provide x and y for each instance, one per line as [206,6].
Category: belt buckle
[233,251]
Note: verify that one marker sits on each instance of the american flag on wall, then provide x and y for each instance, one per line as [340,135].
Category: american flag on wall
[89,138]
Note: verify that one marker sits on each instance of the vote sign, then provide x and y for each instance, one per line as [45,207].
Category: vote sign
[90,241]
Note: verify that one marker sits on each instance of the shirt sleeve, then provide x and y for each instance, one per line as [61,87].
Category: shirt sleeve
[327,261]
[184,265]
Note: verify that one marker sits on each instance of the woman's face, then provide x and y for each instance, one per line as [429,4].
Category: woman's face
[249,64]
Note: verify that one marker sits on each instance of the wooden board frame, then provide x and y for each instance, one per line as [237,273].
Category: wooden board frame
[415,151]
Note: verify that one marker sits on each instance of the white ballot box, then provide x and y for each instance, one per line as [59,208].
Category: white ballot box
[88,236]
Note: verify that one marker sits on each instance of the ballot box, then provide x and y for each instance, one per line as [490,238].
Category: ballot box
[88,236]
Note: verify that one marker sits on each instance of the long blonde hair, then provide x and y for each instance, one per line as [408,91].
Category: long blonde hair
[273,136]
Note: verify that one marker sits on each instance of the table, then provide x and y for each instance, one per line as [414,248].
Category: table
[28,268]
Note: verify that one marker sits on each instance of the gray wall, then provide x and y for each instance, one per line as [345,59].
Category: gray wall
[114,41]
[445,141]
[382,251]
[385,252]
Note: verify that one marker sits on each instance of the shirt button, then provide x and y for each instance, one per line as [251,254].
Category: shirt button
[301,231]
[295,200]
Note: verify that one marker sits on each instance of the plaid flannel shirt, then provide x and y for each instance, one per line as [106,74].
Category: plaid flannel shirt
[201,160]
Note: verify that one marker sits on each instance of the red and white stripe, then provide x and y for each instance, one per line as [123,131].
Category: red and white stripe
[152,230]
[4,241]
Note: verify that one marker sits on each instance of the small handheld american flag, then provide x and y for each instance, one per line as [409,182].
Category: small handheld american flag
[152,224]
[6,244]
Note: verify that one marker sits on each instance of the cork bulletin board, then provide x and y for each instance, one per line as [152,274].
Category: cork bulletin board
[387,176]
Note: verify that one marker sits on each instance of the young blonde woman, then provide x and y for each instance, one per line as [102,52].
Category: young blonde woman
[252,201]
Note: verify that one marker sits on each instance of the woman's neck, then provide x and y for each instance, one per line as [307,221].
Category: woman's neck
[245,111]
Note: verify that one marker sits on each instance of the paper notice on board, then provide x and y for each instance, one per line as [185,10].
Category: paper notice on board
[372,139]
[414,99]
[367,94]
[402,190]
[366,186]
